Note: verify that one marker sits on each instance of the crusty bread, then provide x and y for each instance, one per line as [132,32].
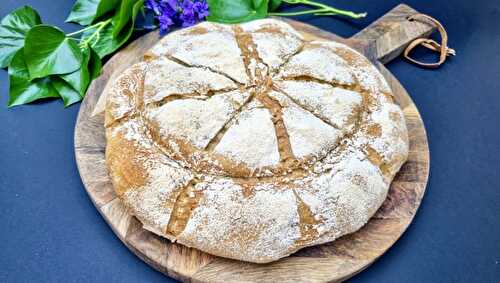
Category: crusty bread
[249,142]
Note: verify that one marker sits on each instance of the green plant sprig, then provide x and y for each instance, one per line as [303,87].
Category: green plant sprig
[236,11]
[98,27]
[44,62]
[322,10]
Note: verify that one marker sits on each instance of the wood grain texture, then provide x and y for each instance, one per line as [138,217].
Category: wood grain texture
[331,262]
[387,37]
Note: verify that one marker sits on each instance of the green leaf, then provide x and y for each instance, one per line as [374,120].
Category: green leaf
[48,51]
[79,80]
[258,3]
[90,69]
[123,16]
[85,12]
[237,11]
[102,40]
[105,43]
[274,4]
[21,89]
[95,64]
[13,29]
[67,93]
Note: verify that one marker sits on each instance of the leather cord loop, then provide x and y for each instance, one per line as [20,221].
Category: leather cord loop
[428,43]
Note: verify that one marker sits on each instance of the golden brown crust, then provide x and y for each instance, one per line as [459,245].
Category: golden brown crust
[272,145]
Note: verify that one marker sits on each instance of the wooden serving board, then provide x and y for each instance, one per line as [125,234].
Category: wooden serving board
[331,262]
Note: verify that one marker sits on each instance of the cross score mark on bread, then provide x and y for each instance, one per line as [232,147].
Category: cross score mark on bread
[249,142]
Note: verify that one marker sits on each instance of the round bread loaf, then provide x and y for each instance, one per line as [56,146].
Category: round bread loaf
[249,142]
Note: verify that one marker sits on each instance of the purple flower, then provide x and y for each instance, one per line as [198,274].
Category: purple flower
[187,16]
[169,7]
[201,8]
[187,5]
[152,5]
[171,4]
[183,13]
[165,23]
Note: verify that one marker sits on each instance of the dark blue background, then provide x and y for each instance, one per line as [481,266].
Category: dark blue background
[51,232]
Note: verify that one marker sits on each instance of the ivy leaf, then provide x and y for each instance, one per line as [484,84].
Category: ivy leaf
[13,29]
[80,79]
[95,64]
[90,69]
[21,89]
[237,11]
[104,7]
[67,93]
[274,4]
[123,16]
[104,42]
[48,51]
[85,12]
[101,41]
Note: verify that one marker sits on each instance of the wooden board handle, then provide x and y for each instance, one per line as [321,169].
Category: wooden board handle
[387,37]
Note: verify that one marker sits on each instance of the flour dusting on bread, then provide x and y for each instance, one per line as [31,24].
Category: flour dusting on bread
[249,142]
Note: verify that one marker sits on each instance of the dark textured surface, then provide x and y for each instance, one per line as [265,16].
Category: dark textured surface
[52,232]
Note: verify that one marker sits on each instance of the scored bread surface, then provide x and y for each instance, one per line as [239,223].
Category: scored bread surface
[249,142]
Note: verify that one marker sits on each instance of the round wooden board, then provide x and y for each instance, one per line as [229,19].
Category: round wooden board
[331,262]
